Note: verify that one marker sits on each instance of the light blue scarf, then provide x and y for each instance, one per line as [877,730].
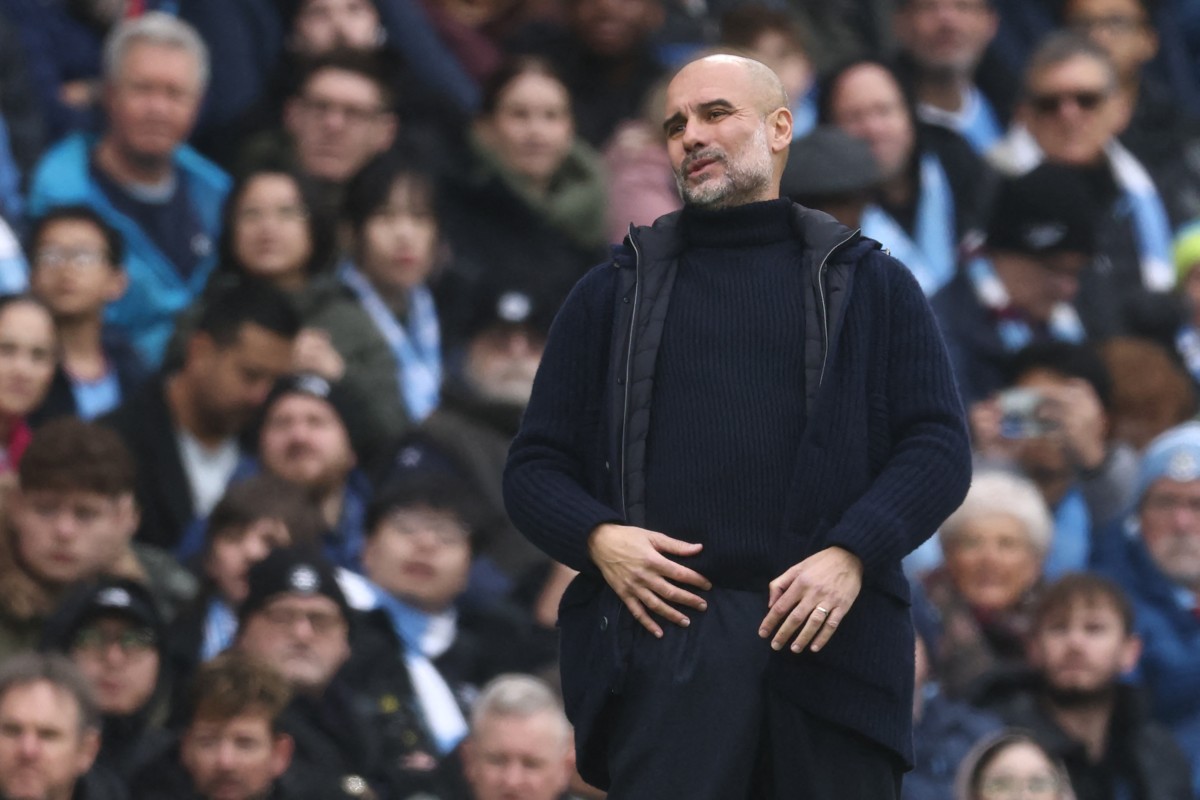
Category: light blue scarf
[443,718]
[1071,547]
[417,346]
[976,121]
[1020,153]
[1015,333]
[932,256]
[220,626]
[1152,228]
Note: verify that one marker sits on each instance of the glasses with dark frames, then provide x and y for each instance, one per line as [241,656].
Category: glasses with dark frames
[1052,102]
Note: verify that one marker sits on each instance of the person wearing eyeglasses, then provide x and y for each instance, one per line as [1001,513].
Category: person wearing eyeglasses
[115,635]
[1155,555]
[339,115]
[423,532]
[1071,113]
[77,270]
[357,721]
[1011,765]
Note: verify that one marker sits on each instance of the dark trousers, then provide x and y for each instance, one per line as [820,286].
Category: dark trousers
[695,721]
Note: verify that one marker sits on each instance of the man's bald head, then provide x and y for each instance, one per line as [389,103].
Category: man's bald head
[764,84]
[728,130]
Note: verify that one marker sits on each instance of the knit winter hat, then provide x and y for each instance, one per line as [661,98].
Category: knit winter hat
[1174,454]
[346,404]
[291,570]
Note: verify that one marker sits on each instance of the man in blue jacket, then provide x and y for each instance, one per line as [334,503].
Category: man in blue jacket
[739,427]
[163,197]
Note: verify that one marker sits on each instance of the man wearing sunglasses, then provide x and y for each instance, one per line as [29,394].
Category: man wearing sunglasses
[1160,126]
[1070,113]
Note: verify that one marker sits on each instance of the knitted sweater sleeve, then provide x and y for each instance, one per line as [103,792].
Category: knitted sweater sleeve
[929,469]
[548,488]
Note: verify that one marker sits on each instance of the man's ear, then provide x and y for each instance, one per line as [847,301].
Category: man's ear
[131,513]
[117,285]
[200,348]
[467,749]
[1034,654]
[1131,653]
[780,129]
[291,115]
[89,748]
[389,126]
[281,753]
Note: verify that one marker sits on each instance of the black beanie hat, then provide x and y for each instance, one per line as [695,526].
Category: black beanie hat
[345,403]
[291,570]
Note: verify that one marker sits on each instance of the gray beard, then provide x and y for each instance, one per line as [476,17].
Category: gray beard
[742,182]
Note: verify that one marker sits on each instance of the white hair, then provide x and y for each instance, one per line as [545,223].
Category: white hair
[996,492]
[516,695]
[158,28]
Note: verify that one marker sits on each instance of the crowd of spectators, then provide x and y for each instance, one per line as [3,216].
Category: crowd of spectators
[275,279]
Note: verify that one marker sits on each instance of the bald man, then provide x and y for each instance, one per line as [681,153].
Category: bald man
[739,427]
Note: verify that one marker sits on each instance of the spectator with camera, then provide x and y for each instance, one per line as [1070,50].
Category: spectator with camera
[1052,423]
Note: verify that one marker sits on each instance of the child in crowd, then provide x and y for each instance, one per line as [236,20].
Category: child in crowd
[76,270]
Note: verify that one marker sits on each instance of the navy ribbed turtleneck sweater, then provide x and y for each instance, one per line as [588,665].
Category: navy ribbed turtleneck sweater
[728,406]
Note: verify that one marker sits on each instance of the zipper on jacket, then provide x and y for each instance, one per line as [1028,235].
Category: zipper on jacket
[637,292]
[824,309]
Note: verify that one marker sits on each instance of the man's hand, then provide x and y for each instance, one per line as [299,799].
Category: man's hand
[812,597]
[632,562]
[1081,421]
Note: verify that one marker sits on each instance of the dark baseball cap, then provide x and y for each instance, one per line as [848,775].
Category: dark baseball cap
[1047,210]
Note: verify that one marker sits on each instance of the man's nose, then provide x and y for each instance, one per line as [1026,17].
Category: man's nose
[30,745]
[693,136]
